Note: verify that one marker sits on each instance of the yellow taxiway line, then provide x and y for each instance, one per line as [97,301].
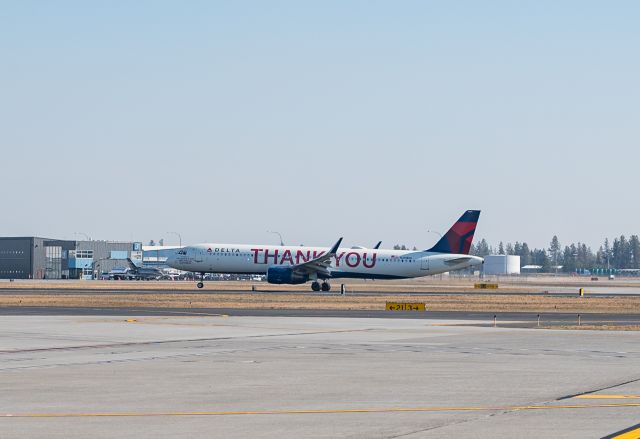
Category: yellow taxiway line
[598,396]
[632,434]
[313,411]
[629,433]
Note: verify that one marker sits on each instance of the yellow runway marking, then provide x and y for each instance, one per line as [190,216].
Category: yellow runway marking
[312,412]
[598,396]
[629,433]
[633,434]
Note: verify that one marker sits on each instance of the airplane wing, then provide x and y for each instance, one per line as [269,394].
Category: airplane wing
[321,264]
[455,261]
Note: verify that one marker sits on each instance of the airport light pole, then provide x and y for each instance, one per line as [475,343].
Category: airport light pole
[435,231]
[179,237]
[277,233]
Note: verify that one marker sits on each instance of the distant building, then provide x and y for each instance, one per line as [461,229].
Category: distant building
[501,264]
[31,257]
[92,258]
[43,258]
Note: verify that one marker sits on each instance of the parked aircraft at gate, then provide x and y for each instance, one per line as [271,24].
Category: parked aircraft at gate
[297,265]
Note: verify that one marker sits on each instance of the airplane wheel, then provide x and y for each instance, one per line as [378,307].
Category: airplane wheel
[315,286]
[200,285]
[326,286]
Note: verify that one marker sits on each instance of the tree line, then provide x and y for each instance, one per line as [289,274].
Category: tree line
[623,253]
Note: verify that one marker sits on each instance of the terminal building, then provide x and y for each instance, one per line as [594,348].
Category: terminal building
[92,258]
[44,258]
[31,257]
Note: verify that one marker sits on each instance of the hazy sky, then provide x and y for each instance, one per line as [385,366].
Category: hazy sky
[369,120]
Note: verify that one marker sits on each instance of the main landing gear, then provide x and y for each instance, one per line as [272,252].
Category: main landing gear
[201,283]
[317,286]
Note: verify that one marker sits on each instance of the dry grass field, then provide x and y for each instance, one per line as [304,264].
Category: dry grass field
[470,302]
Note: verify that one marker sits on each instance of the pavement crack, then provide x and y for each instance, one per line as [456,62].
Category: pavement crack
[165,342]
[449,424]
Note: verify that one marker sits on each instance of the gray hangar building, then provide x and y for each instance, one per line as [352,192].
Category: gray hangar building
[43,258]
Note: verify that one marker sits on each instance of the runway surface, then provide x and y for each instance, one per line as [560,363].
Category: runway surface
[103,373]
[513,319]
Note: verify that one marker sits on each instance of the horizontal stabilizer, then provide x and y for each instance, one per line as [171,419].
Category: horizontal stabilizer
[456,261]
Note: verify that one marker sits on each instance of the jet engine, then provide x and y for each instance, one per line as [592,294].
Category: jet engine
[285,275]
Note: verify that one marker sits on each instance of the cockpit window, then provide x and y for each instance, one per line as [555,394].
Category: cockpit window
[182,252]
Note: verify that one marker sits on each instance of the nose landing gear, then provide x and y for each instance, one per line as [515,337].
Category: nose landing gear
[201,283]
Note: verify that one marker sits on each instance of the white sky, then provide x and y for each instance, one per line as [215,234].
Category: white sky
[368,120]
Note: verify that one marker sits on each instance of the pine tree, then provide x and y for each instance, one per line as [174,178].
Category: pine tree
[543,260]
[555,251]
[607,252]
[517,249]
[500,248]
[634,245]
[569,259]
[525,254]
[620,251]
[509,249]
[600,258]
[625,251]
[483,249]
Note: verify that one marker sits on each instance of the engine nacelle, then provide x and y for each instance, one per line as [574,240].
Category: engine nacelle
[285,275]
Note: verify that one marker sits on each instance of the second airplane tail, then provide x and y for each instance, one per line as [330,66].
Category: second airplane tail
[459,237]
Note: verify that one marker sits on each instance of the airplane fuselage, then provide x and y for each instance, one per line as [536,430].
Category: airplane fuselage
[346,263]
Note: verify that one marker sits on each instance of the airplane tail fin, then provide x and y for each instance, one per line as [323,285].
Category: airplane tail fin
[459,237]
[131,264]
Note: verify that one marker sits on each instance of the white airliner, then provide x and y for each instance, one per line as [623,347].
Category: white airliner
[298,265]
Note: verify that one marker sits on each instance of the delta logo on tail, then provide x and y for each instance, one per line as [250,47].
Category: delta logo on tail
[320,264]
[460,236]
